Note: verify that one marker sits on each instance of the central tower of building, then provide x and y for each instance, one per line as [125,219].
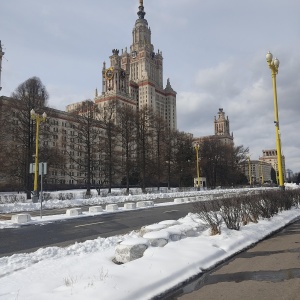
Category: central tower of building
[135,77]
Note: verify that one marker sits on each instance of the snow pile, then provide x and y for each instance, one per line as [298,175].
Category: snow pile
[291,186]
[86,270]
[79,200]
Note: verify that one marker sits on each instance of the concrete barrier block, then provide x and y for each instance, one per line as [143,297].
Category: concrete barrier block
[153,227]
[140,204]
[111,207]
[192,199]
[149,203]
[186,230]
[129,205]
[190,232]
[95,209]
[174,234]
[73,212]
[178,200]
[21,218]
[157,238]
[169,222]
[130,249]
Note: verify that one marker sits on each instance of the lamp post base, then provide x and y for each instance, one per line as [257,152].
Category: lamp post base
[35,198]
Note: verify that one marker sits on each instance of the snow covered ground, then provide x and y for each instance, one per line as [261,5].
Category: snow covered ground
[75,198]
[87,271]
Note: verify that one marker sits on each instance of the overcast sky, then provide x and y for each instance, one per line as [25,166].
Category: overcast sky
[214,54]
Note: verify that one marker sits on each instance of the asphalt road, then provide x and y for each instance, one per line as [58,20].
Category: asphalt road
[28,238]
[269,270]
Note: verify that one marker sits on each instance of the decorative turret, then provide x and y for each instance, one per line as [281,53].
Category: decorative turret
[169,88]
[222,124]
[115,60]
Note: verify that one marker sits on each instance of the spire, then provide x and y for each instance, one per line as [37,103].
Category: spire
[141,12]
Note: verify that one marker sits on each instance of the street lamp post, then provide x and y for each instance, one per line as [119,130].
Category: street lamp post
[38,118]
[274,65]
[249,171]
[197,166]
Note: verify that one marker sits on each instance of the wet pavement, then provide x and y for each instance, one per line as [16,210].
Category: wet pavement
[269,270]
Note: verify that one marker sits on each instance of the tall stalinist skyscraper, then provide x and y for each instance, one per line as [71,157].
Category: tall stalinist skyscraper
[134,77]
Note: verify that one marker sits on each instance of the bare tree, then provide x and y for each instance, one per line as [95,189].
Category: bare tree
[221,162]
[110,159]
[159,126]
[29,95]
[127,131]
[144,146]
[170,142]
[83,140]
[184,159]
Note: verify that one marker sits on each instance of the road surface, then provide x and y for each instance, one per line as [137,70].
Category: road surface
[28,238]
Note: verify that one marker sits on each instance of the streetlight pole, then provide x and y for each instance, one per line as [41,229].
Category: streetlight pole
[197,166]
[249,171]
[38,118]
[274,65]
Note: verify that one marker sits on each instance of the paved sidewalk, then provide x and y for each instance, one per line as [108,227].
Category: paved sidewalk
[270,270]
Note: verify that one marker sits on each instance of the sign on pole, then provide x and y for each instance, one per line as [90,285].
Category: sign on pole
[42,167]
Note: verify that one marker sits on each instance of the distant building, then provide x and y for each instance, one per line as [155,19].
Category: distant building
[270,156]
[257,171]
[222,130]
[202,182]
[289,175]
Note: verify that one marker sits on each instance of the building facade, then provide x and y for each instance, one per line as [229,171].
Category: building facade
[61,145]
[221,130]
[270,156]
[134,77]
[257,171]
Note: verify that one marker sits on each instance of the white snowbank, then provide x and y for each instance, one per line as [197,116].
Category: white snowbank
[86,271]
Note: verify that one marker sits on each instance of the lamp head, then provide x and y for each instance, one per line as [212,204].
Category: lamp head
[276,62]
[269,57]
[44,115]
[32,113]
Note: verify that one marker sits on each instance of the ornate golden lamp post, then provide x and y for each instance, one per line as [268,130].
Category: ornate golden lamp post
[274,65]
[38,118]
[249,171]
[197,165]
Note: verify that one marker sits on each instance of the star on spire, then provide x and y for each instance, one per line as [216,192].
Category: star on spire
[141,12]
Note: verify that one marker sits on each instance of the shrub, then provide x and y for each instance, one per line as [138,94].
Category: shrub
[250,209]
[209,213]
[296,197]
[232,213]
[241,210]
